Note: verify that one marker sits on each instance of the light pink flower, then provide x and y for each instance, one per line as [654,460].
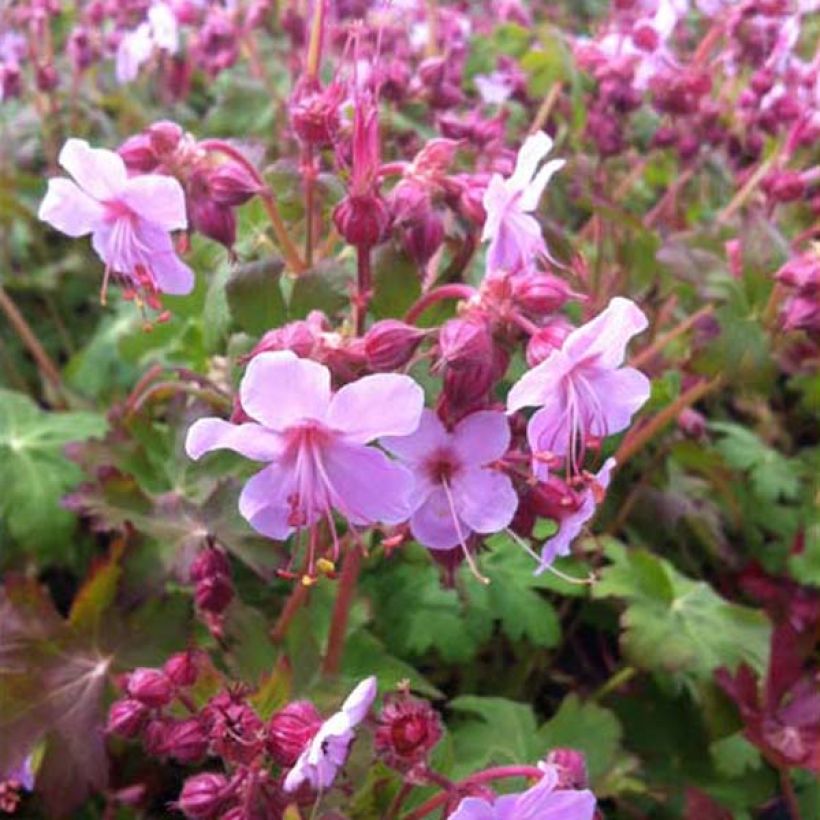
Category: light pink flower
[572,522]
[129,219]
[582,389]
[456,490]
[541,802]
[160,31]
[316,443]
[514,235]
[327,751]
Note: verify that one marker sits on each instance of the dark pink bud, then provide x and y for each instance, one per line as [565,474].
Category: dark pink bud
[212,220]
[422,237]
[463,342]
[183,668]
[432,70]
[645,37]
[665,137]
[164,137]
[390,344]
[231,184]
[540,293]
[213,594]
[154,736]
[80,50]
[209,562]
[314,113]
[553,499]
[151,687]
[407,731]
[571,767]
[548,338]
[692,423]
[46,78]
[362,220]
[204,796]
[784,186]
[10,81]
[299,336]
[290,730]
[436,156]
[126,717]
[138,154]
[762,81]
[236,731]
[186,741]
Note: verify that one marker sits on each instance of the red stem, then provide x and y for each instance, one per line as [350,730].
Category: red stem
[488,775]
[452,291]
[345,594]
[364,288]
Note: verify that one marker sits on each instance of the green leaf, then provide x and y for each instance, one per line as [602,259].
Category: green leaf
[255,297]
[325,286]
[97,593]
[396,282]
[34,472]
[679,627]
[733,755]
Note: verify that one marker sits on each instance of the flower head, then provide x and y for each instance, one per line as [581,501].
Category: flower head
[582,389]
[515,236]
[327,751]
[316,444]
[129,219]
[544,801]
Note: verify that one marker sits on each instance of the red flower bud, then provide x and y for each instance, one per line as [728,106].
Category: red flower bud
[571,767]
[553,499]
[138,154]
[213,594]
[290,730]
[408,729]
[362,220]
[126,717]
[422,237]
[236,731]
[389,344]
[46,78]
[784,186]
[164,137]
[209,562]
[151,687]
[183,668]
[465,342]
[212,220]
[540,293]
[231,184]
[154,736]
[548,338]
[204,796]
[186,741]
[314,114]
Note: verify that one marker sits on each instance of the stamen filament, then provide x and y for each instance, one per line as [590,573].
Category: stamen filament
[469,558]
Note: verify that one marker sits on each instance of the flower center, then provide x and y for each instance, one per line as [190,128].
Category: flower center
[442,466]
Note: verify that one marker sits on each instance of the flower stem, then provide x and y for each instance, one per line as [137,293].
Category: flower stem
[345,594]
[789,793]
[546,107]
[487,776]
[298,596]
[661,341]
[364,288]
[286,245]
[451,291]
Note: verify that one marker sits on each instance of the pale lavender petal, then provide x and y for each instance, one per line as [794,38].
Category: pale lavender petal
[99,172]
[365,485]
[250,440]
[617,394]
[473,808]
[481,437]
[496,199]
[533,192]
[537,385]
[384,404]
[602,342]
[157,199]
[172,275]
[359,701]
[133,50]
[432,523]
[281,390]
[566,804]
[264,502]
[164,28]
[429,436]
[484,499]
[69,209]
[549,429]
[534,149]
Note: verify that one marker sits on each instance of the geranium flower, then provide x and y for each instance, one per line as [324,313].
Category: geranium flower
[316,443]
[160,31]
[541,802]
[514,235]
[582,388]
[456,490]
[129,219]
[327,751]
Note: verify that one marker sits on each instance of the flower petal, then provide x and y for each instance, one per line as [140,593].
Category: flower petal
[602,342]
[484,499]
[429,436]
[69,209]
[619,394]
[481,437]
[474,808]
[432,523]
[281,390]
[264,502]
[536,386]
[172,275]
[384,404]
[157,199]
[495,201]
[549,429]
[250,440]
[359,701]
[534,149]
[99,172]
[559,805]
[535,190]
[365,485]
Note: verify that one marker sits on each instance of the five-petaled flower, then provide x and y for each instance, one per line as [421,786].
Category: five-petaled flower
[514,234]
[317,444]
[327,751]
[582,389]
[129,219]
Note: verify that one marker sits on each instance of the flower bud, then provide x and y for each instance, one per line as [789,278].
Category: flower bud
[540,293]
[152,687]
[408,729]
[314,113]
[422,237]
[209,562]
[290,730]
[784,186]
[298,336]
[362,220]
[126,717]
[46,78]
[203,796]
[231,184]
[236,732]
[164,137]
[571,767]
[553,499]
[548,338]
[214,594]
[138,154]
[186,741]
[214,221]
[183,668]
[154,736]
[389,344]
[463,342]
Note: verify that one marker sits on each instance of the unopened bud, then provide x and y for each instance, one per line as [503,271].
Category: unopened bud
[422,237]
[214,594]
[214,221]
[570,764]
[151,687]
[203,796]
[231,184]
[183,668]
[362,220]
[138,154]
[186,741]
[407,731]
[548,338]
[540,293]
[784,186]
[290,730]
[390,344]
[209,562]
[126,717]
[465,342]
[164,137]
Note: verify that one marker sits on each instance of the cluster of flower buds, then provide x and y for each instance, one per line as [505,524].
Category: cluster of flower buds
[800,277]
[210,573]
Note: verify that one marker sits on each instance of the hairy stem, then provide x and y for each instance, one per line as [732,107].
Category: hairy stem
[439,294]
[664,339]
[298,596]
[364,288]
[345,593]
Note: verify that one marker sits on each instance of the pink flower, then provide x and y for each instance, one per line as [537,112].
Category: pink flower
[572,522]
[456,489]
[316,443]
[129,219]
[541,802]
[581,387]
[515,236]
[327,752]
